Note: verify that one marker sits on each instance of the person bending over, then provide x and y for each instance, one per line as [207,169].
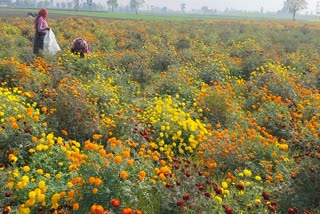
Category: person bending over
[80,46]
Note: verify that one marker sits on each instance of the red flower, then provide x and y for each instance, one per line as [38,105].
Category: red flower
[115,202]
[186,196]
[266,195]
[180,203]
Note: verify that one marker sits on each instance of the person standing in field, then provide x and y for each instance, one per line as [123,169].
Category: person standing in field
[41,28]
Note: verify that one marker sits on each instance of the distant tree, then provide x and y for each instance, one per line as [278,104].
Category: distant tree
[89,2]
[76,5]
[63,5]
[164,9]
[112,4]
[136,4]
[183,7]
[294,6]
[205,9]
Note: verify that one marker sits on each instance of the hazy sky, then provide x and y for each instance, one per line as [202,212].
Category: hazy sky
[249,5]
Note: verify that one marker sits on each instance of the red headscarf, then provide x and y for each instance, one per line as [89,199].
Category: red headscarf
[42,13]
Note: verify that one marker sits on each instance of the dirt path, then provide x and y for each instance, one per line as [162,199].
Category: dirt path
[9,12]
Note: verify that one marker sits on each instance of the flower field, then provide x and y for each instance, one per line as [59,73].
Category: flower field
[173,117]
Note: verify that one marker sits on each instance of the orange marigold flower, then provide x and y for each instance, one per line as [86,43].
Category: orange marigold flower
[142,173]
[138,211]
[118,159]
[12,119]
[36,118]
[97,209]
[34,139]
[75,206]
[95,190]
[91,180]
[130,162]
[126,154]
[97,181]
[124,175]
[44,109]
[64,132]
[127,210]
[96,136]
[15,125]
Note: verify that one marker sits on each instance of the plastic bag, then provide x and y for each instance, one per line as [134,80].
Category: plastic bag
[50,44]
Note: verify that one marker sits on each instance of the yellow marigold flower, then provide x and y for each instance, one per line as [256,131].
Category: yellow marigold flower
[69,184]
[284,147]
[25,179]
[55,198]
[30,202]
[240,193]
[13,158]
[118,159]
[26,168]
[58,176]
[218,198]
[41,197]
[258,178]
[247,173]
[153,181]
[20,185]
[224,185]
[39,171]
[41,184]
[124,175]
[32,194]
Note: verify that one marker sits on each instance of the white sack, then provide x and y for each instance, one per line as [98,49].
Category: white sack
[50,45]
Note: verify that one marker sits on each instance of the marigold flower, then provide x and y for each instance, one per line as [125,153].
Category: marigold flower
[75,206]
[130,162]
[117,159]
[247,173]
[124,175]
[14,125]
[127,210]
[96,136]
[126,154]
[41,184]
[115,202]
[26,168]
[39,171]
[95,190]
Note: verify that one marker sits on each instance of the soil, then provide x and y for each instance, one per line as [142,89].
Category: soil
[9,12]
